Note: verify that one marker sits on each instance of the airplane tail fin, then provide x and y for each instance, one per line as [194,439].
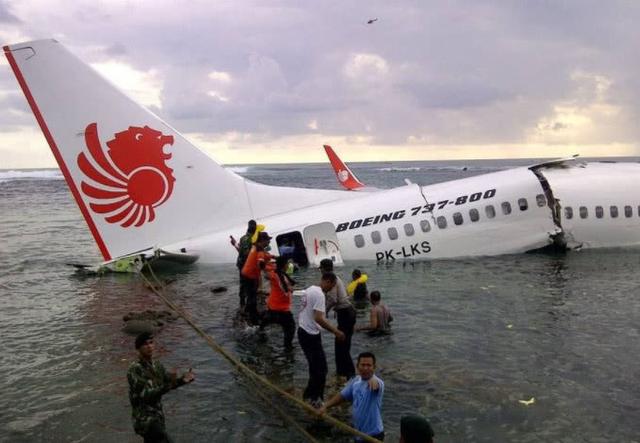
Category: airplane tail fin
[345,177]
[134,177]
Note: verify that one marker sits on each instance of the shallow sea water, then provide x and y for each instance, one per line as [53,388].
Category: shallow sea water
[470,337]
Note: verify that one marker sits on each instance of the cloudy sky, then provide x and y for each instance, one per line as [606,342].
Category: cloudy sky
[272,81]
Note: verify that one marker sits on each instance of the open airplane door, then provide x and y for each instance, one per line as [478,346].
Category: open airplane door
[321,242]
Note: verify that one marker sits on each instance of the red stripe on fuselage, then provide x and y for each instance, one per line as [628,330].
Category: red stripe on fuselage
[56,153]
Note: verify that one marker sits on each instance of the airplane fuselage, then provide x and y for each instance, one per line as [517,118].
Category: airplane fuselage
[587,205]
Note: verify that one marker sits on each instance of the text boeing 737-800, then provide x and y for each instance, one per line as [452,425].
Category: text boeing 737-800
[142,187]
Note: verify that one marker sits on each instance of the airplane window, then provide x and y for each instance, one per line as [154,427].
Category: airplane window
[408,229]
[599,212]
[442,222]
[490,211]
[584,212]
[506,208]
[474,215]
[425,225]
[540,200]
[359,239]
[613,210]
[523,204]
[392,233]
[457,218]
[376,237]
[628,211]
[568,212]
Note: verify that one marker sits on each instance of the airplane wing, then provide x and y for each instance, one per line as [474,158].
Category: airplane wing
[345,177]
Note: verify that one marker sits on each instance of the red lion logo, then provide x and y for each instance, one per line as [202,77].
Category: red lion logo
[134,181]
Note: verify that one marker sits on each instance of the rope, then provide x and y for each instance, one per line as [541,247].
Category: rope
[283,414]
[246,370]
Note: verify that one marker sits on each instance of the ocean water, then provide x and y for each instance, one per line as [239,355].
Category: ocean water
[471,338]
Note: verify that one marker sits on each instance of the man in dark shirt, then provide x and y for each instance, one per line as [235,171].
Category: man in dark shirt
[148,382]
[243,246]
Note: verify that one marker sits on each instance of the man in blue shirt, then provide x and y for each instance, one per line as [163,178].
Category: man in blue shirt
[365,391]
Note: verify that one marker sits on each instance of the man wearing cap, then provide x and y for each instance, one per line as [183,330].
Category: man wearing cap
[251,272]
[415,429]
[148,382]
[338,300]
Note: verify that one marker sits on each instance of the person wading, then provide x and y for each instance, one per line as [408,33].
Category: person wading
[243,246]
[310,321]
[148,382]
[365,392]
[251,272]
[279,302]
[338,300]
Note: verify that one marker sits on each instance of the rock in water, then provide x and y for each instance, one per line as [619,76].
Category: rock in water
[146,321]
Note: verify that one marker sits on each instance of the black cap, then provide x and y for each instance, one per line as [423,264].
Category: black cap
[416,429]
[326,264]
[141,339]
[262,236]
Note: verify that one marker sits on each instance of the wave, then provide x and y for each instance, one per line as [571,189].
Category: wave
[443,168]
[34,174]
[237,169]
[399,169]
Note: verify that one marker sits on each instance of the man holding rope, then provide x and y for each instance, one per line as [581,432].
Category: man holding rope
[365,392]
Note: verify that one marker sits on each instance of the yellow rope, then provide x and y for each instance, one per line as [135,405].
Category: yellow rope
[247,371]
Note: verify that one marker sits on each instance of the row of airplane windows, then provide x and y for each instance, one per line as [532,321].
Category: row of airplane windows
[599,210]
[490,212]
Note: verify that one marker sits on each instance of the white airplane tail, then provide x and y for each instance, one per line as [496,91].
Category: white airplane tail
[135,178]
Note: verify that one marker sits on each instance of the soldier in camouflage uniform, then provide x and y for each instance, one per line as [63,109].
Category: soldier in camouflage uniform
[148,382]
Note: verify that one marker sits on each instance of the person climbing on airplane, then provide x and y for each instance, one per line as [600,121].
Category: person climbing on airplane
[279,302]
[243,246]
[251,273]
[379,317]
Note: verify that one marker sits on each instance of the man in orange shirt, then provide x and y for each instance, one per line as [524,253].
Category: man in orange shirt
[279,302]
[251,272]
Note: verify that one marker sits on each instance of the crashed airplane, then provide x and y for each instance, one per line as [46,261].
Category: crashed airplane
[142,188]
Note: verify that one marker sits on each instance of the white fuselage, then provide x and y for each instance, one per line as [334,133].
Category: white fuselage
[499,213]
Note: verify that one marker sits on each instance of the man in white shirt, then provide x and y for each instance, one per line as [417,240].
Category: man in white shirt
[311,320]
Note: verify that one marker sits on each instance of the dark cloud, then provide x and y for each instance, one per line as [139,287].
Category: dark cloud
[448,72]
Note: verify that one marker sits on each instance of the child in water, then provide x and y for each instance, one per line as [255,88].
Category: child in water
[379,318]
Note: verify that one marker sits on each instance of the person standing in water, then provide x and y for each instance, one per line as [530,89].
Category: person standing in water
[365,392]
[358,287]
[251,272]
[279,302]
[243,246]
[311,320]
[379,317]
[148,382]
[345,312]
